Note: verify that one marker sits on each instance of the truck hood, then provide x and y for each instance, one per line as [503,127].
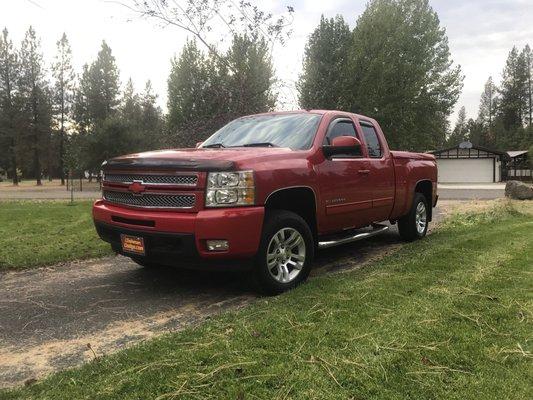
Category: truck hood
[195,159]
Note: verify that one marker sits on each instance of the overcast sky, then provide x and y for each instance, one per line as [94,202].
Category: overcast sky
[481,33]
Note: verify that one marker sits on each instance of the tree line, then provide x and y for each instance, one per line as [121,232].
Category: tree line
[505,117]
[394,65]
[54,123]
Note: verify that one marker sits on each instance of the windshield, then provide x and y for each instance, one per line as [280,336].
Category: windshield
[295,131]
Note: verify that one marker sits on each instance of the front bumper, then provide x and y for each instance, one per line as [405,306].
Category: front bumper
[181,236]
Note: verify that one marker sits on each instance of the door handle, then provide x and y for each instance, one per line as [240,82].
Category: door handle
[364,171]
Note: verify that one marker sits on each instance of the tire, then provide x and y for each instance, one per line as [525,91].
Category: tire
[413,226]
[285,253]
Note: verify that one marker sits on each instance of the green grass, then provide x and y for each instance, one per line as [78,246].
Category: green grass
[40,233]
[448,317]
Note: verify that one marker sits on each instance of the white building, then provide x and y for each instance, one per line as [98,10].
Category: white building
[467,163]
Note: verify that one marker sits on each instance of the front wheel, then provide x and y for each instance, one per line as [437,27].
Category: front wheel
[414,225]
[285,253]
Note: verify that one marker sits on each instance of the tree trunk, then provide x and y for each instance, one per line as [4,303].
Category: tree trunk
[14,163]
[61,148]
[38,171]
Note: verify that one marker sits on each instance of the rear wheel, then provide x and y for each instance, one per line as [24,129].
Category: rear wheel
[414,225]
[285,253]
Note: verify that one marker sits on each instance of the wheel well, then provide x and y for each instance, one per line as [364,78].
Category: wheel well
[300,200]
[426,188]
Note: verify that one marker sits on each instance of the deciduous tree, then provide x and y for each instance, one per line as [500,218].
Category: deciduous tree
[323,82]
[402,72]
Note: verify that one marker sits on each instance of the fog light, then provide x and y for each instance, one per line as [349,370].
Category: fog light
[217,245]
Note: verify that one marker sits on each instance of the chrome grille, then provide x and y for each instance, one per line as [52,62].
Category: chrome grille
[188,180]
[149,200]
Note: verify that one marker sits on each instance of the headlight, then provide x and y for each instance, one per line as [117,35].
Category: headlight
[230,189]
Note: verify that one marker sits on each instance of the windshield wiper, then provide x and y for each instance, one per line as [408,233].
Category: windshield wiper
[213,145]
[261,144]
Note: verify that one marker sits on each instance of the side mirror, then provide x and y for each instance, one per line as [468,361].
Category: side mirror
[199,144]
[343,145]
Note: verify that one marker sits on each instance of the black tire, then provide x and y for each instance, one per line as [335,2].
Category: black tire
[275,221]
[407,225]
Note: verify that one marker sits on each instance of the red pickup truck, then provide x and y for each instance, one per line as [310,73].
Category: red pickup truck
[265,192]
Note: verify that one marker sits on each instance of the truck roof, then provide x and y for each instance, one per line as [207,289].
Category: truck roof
[313,111]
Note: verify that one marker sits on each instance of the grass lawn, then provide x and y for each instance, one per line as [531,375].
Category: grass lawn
[47,232]
[447,317]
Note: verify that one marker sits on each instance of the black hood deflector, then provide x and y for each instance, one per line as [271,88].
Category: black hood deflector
[155,163]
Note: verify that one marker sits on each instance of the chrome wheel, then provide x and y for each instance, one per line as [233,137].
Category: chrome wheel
[421,218]
[286,255]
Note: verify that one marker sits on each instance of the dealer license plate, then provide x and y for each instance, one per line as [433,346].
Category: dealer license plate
[133,244]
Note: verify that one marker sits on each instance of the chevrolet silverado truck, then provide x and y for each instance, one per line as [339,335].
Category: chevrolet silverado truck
[265,192]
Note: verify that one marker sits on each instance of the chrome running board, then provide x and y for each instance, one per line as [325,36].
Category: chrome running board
[377,229]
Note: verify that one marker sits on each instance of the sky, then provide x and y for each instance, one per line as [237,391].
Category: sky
[481,33]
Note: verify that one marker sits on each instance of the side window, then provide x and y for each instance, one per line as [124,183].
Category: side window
[340,128]
[372,141]
[343,127]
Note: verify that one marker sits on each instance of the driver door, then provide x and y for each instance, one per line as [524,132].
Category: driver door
[345,187]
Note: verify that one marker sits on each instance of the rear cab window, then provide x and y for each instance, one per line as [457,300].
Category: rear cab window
[373,144]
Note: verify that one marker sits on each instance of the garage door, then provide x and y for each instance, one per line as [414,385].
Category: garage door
[465,170]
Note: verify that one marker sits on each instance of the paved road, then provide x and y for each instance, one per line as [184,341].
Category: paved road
[470,194]
[47,194]
[58,317]
[471,191]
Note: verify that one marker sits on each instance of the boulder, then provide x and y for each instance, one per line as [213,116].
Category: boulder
[518,190]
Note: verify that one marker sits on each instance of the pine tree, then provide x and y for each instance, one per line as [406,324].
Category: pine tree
[151,119]
[98,93]
[63,95]
[460,131]
[106,77]
[35,93]
[323,82]
[402,72]
[80,107]
[527,55]
[130,108]
[512,91]
[96,102]
[204,93]
[487,112]
[9,70]
[188,87]
[252,77]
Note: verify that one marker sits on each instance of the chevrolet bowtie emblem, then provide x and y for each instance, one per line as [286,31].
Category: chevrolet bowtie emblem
[137,188]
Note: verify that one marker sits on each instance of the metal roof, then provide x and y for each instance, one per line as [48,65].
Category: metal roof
[516,153]
[469,145]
